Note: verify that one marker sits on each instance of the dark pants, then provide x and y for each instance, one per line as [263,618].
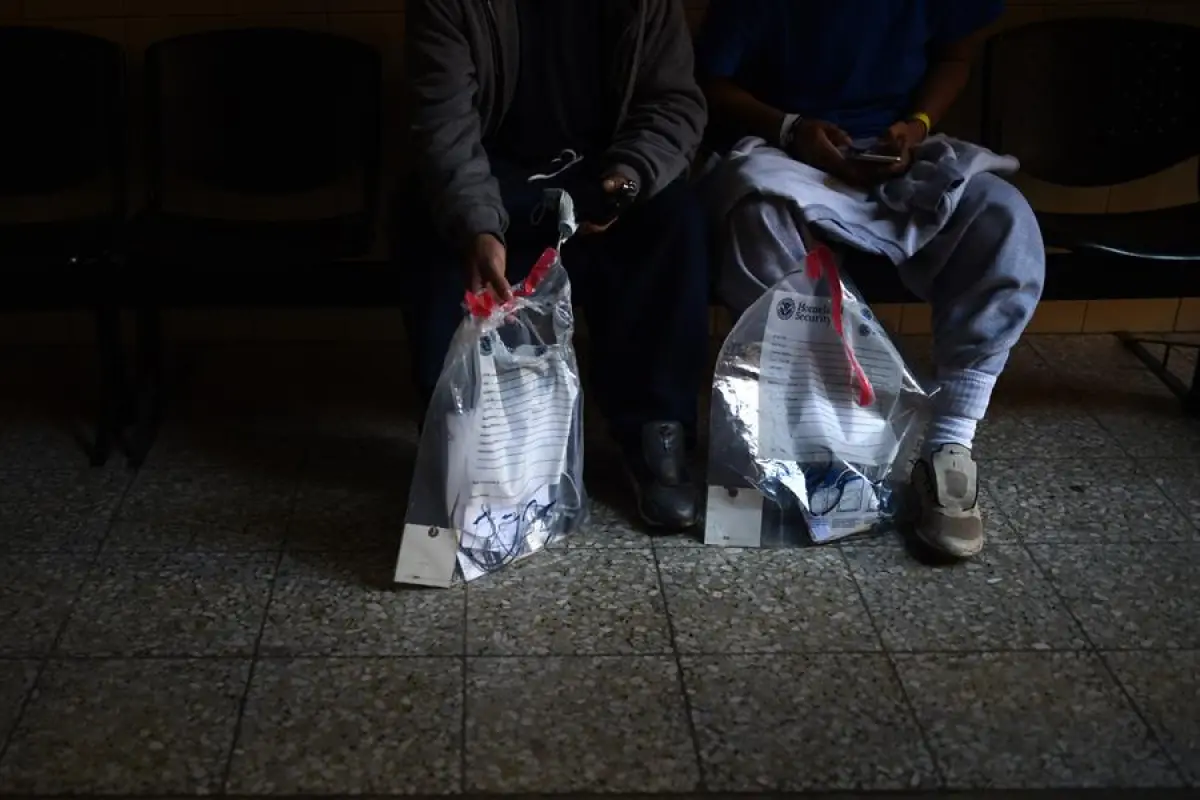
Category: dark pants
[643,286]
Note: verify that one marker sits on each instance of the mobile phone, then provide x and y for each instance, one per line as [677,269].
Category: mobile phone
[865,151]
[594,205]
[872,157]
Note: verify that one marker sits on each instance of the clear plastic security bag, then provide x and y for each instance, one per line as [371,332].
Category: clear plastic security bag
[815,417]
[499,472]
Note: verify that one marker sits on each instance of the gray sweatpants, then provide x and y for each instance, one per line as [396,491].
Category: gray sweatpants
[982,275]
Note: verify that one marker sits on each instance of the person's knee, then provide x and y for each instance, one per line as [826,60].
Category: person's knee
[999,200]
[1004,213]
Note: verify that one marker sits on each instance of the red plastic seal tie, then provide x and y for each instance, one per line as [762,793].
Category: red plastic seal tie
[821,263]
[484,303]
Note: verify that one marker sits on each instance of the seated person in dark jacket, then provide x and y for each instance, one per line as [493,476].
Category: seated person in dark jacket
[500,90]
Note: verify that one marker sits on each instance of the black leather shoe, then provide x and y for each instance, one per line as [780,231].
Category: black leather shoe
[666,495]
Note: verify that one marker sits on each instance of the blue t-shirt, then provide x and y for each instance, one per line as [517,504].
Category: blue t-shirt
[855,63]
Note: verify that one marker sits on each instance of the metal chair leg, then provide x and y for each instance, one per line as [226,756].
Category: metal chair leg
[1189,395]
[113,387]
[148,397]
[1191,401]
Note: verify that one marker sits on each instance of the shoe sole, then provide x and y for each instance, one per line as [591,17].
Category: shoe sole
[941,549]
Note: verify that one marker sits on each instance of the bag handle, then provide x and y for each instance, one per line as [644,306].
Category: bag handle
[484,303]
[820,263]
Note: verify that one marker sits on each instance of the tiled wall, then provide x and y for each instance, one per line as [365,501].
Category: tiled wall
[136,23]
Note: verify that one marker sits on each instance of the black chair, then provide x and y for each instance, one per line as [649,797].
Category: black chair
[263,172]
[62,187]
[1100,102]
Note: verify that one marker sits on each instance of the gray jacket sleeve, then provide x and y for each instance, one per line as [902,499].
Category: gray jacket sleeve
[447,135]
[667,114]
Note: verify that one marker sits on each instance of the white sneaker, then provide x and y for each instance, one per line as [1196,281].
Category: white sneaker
[947,488]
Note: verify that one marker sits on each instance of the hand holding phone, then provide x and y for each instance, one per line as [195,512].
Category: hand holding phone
[598,198]
[599,201]
[871,151]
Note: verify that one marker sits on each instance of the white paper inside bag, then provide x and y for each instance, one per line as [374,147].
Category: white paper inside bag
[808,407]
[518,449]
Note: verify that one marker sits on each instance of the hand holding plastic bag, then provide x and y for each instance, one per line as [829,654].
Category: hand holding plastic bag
[499,472]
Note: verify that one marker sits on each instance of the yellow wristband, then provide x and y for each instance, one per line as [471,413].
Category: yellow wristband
[924,119]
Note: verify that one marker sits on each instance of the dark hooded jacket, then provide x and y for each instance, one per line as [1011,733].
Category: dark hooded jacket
[462,62]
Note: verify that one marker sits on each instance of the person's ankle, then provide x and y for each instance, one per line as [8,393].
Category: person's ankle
[632,440]
[946,430]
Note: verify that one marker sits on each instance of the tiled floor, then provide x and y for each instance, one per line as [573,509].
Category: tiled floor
[222,621]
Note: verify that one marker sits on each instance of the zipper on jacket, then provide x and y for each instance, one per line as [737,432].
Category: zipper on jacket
[497,60]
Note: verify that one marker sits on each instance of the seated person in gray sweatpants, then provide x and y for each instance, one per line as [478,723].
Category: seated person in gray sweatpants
[810,78]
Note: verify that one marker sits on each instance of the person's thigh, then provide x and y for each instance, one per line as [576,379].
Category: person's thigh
[645,293]
[982,275]
[992,216]
[657,244]
[762,241]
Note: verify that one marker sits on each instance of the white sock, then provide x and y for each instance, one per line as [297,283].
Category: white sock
[947,429]
[960,402]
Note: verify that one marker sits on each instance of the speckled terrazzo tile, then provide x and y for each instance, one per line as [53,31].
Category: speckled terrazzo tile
[59,510]
[1084,501]
[1141,415]
[1180,480]
[1051,430]
[612,513]
[370,443]
[44,441]
[1159,431]
[274,440]
[346,604]
[996,524]
[567,602]
[1031,720]
[1130,597]
[608,526]
[1165,686]
[693,538]
[1001,601]
[126,727]
[16,679]
[178,604]
[756,601]
[346,518]
[561,725]
[350,726]
[804,723]
[37,592]
[203,510]
[1091,352]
